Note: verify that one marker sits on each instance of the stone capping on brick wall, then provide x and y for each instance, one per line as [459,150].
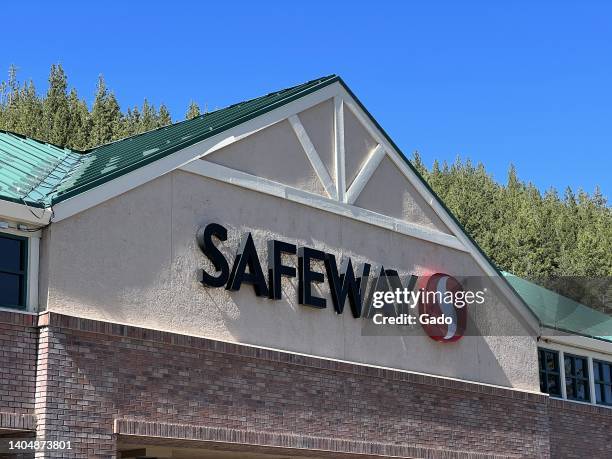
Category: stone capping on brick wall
[51,319]
[23,318]
[250,438]
[584,408]
[12,421]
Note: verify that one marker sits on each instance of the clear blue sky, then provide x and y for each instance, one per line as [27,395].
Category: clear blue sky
[499,82]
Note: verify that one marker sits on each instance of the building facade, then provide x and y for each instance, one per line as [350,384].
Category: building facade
[185,293]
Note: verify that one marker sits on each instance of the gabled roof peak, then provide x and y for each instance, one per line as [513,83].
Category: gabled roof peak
[39,174]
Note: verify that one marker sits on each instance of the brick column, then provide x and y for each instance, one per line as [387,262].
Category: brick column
[18,336]
[17,368]
[67,406]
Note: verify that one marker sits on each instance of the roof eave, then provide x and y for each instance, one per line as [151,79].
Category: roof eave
[36,215]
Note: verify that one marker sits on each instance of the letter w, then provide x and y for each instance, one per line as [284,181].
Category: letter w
[345,284]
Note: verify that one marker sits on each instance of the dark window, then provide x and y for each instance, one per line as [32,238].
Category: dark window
[602,376]
[550,375]
[577,378]
[13,267]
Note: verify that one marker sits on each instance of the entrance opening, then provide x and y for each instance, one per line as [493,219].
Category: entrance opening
[135,451]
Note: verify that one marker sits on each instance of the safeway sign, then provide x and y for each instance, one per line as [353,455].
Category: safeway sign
[442,301]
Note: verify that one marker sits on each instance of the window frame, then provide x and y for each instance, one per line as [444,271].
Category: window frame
[545,372]
[25,262]
[586,380]
[602,382]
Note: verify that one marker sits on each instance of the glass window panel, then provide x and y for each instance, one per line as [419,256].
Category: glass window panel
[578,364]
[543,383]
[568,366]
[10,250]
[597,371]
[551,361]
[598,393]
[550,381]
[581,368]
[603,382]
[10,289]
[582,391]
[553,384]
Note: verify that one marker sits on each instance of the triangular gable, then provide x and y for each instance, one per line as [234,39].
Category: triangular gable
[347,176]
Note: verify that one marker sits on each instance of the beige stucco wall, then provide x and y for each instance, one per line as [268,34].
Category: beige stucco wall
[274,153]
[134,260]
[318,121]
[358,145]
[388,192]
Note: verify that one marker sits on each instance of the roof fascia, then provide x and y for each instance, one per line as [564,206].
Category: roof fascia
[573,339]
[22,213]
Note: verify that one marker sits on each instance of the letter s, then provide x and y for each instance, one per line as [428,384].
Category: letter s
[204,238]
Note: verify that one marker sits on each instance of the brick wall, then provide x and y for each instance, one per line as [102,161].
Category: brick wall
[103,371]
[91,374]
[18,337]
[578,431]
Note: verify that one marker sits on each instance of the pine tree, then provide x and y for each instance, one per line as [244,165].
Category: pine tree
[29,113]
[164,116]
[105,116]
[79,128]
[11,105]
[12,84]
[193,111]
[417,162]
[522,231]
[436,179]
[148,120]
[593,246]
[130,123]
[56,112]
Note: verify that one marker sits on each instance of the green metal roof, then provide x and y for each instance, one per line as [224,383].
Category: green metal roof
[30,170]
[561,313]
[40,174]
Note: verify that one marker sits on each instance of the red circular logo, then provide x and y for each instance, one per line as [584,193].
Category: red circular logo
[438,315]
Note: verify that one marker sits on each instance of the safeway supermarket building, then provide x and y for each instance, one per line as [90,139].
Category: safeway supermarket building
[110,340]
